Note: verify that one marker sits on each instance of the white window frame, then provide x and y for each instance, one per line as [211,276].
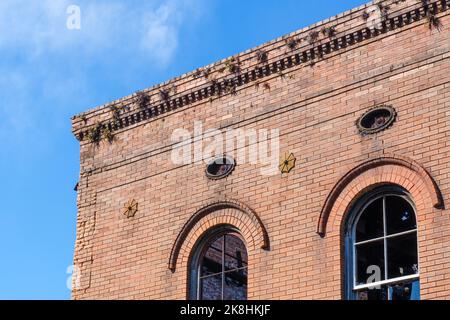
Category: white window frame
[381,195]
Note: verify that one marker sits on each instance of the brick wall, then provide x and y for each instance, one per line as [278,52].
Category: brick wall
[314,103]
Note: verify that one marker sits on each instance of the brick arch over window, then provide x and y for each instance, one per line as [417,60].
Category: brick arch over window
[399,171]
[215,214]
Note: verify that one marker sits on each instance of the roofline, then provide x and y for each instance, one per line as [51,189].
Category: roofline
[349,29]
[250,50]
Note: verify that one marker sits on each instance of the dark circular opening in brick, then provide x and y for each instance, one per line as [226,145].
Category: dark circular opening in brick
[376,120]
[220,167]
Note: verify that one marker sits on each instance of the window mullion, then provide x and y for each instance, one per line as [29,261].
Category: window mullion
[385,242]
[223,266]
[199,282]
[354,261]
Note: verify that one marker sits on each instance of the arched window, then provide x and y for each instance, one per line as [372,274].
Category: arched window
[219,267]
[381,247]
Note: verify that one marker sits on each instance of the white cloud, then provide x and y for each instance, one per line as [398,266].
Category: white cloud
[160,38]
[148,28]
[46,68]
[30,25]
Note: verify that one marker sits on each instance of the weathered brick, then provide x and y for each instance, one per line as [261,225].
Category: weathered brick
[315,108]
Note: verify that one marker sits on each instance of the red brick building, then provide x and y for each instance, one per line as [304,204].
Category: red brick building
[361,102]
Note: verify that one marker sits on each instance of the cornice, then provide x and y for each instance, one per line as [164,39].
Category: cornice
[127,114]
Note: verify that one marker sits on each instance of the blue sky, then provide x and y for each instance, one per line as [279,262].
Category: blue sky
[49,73]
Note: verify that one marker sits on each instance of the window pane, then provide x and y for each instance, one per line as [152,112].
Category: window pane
[212,260]
[370,224]
[402,255]
[399,215]
[370,262]
[401,291]
[235,253]
[211,288]
[373,294]
[235,285]
[397,291]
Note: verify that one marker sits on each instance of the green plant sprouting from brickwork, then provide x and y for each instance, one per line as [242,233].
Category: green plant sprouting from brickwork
[202,73]
[262,56]
[142,99]
[115,111]
[94,134]
[166,93]
[233,65]
[292,43]
[312,37]
[433,21]
[108,134]
[84,119]
[329,32]
[99,131]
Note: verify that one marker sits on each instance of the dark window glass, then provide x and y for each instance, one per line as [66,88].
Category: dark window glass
[402,255]
[405,291]
[211,288]
[401,291]
[235,253]
[220,168]
[235,285]
[370,224]
[223,269]
[369,255]
[398,291]
[380,293]
[376,119]
[400,216]
[212,260]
